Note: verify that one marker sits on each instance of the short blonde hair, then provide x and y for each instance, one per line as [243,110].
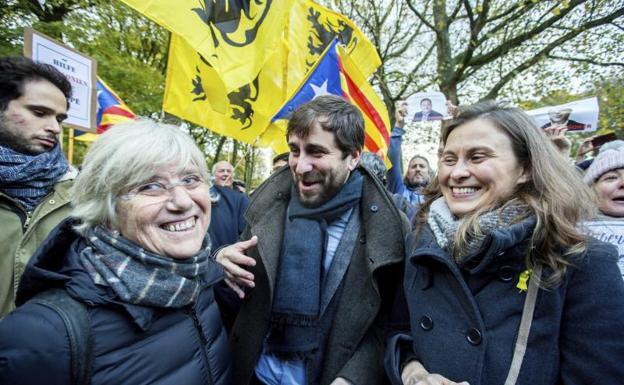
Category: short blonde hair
[125,156]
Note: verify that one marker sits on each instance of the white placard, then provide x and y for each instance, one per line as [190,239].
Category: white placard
[578,116]
[426,107]
[611,232]
[79,70]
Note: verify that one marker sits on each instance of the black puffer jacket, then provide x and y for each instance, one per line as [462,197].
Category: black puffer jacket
[133,344]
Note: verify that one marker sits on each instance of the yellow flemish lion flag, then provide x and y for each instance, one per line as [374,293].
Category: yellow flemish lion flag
[195,92]
[236,37]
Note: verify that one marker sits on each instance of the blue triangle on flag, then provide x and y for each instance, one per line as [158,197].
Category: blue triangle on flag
[324,79]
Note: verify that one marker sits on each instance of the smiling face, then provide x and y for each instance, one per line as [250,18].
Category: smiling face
[610,191]
[172,225]
[31,123]
[318,166]
[478,167]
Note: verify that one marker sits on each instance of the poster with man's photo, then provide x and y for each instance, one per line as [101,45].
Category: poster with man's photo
[426,107]
[578,116]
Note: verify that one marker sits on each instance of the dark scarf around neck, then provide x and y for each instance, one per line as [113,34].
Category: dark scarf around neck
[140,277]
[296,306]
[29,178]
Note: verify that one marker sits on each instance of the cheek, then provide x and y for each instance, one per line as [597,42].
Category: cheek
[603,190]
[131,219]
[205,207]
[17,119]
[443,174]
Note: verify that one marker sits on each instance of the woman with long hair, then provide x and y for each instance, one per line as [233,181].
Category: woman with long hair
[501,285]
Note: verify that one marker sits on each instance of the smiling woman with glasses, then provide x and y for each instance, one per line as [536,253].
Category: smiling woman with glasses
[137,254]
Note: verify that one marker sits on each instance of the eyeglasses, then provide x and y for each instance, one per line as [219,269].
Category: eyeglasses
[161,191]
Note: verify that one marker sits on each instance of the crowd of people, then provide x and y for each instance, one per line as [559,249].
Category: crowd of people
[145,268]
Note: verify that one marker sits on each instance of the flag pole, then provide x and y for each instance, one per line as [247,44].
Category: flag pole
[70,145]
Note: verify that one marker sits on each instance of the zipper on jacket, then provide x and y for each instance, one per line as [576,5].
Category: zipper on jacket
[204,341]
[28,219]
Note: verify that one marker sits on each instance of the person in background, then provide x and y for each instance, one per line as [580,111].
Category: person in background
[136,254]
[330,246]
[35,177]
[223,173]
[605,176]
[377,167]
[227,224]
[418,171]
[280,161]
[501,285]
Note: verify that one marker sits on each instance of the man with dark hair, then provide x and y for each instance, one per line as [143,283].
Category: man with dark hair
[35,177]
[426,112]
[418,171]
[322,278]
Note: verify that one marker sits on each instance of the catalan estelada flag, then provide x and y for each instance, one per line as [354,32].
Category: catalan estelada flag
[337,74]
[111,109]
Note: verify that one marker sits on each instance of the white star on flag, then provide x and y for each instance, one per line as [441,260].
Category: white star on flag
[319,91]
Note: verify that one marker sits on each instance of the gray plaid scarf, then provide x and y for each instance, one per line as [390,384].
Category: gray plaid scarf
[141,277]
[444,225]
[29,178]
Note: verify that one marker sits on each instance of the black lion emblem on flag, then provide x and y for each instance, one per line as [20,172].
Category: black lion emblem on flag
[224,17]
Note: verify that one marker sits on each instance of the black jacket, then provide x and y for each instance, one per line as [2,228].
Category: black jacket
[464,322]
[133,344]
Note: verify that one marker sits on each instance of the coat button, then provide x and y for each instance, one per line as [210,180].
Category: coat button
[426,323]
[362,239]
[473,336]
[505,273]
[374,208]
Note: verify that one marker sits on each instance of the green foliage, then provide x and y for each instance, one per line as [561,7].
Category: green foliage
[131,55]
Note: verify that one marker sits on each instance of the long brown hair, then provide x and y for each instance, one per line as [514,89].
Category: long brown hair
[554,193]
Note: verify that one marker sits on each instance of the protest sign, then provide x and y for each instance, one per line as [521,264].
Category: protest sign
[578,116]
[426,107]
[79,69]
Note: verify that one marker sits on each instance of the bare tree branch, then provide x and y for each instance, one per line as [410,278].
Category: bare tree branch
[422,18]
[519,39]
[586,60]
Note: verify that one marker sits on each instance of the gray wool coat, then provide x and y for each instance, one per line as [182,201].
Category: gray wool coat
[356,343]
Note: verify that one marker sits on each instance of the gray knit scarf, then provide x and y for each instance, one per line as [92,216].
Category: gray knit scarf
[143,278]
[444,226]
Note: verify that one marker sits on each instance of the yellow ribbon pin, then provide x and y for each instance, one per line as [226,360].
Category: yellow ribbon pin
[523,280]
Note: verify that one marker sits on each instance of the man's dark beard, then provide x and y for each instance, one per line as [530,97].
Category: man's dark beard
[9,141]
